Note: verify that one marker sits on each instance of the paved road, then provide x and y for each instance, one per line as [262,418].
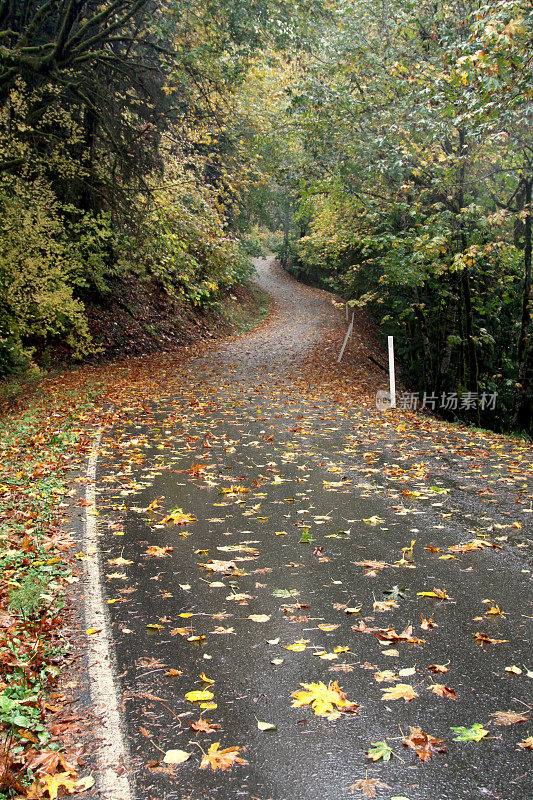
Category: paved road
[279,464]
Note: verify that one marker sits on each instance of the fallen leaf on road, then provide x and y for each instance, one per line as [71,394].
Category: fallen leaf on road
[324,700]
[222,759]
[390,635]
[402,691]
[442,691]
[527,744]
[473,734]
[385,675]
[178,517]
[509,717]
[266,726]
[368,786]
[216,565]
[438,668]
[203,726]
[482,637]
[199,696]
[423,743]
[379,750]
[176,756]
[159,552]
[442,594]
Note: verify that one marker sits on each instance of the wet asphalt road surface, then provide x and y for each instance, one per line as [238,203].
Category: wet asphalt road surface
[278,465]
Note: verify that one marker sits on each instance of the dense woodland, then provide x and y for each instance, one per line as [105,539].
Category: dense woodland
[387,145]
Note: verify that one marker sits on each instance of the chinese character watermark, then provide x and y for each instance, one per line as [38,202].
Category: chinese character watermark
[446,401]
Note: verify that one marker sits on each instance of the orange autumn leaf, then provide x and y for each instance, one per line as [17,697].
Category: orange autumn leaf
[159,552]
[438,668]
[482,637]
[203,726]
[222,759]
[527,744]
[442,691]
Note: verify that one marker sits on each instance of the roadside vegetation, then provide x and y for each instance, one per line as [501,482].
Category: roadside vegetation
[149,149]
[123,158]
[405,167]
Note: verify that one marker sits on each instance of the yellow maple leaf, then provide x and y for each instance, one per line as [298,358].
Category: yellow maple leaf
[326,701]
[54,782]
[400,691]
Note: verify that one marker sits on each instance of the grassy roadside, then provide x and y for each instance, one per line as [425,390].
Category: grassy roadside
[44,438]
[40,448]
[243,316]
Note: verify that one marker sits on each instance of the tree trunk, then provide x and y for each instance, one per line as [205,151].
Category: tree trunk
[449,328]
[426,346]
[520,413]
[469,322]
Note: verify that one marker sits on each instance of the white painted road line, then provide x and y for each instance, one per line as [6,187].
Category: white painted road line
[113,759]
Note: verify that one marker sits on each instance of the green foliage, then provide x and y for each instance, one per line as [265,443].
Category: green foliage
[26,596]
[41,263]
[184,241]
[121,154]
[409,139]
[475,733]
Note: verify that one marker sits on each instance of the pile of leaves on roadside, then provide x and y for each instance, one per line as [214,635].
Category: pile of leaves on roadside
[45,434]
[40,449]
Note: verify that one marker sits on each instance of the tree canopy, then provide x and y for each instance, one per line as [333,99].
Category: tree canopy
[390,144]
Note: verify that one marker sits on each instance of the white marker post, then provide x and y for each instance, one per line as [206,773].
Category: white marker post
[348,334]
[392,377]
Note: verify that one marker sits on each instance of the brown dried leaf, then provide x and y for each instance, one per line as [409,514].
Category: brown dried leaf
[423,744]
[385,675]
[509,717]
[159,552]
[390,635]
[368,786]
[442,691]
